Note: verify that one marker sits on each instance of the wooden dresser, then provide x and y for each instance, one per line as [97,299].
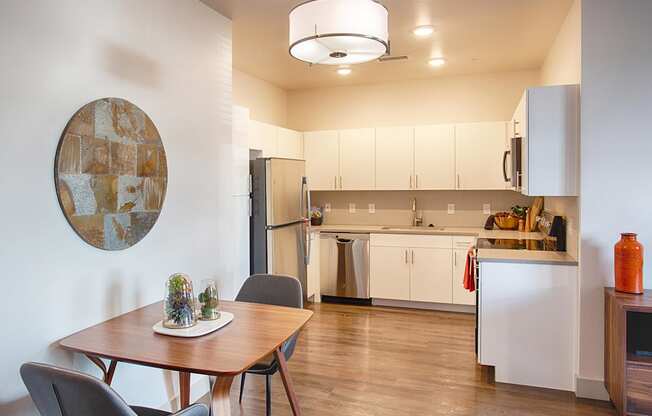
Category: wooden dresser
[628,351]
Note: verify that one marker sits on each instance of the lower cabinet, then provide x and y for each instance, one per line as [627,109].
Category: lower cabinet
[417,268]
[390,273]
[430,279]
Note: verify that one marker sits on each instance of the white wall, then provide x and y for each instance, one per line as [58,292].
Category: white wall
[454,99]
[173,59]
[265,101]
[563,63]
[616,149]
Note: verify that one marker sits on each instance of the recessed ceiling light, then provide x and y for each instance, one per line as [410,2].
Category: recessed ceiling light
[343,71]
[437,62]
[423,31]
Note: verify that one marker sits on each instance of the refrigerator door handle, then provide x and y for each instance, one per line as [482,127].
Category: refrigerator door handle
[308,245]
[286,224]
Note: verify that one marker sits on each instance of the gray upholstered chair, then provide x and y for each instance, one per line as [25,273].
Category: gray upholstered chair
[57,391]
[271,290]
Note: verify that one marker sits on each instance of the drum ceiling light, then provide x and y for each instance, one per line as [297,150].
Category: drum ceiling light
[338,32]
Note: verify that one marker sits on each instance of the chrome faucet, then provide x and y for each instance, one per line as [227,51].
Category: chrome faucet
[417,221]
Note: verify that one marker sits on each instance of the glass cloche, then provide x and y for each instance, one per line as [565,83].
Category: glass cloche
[179,302]
[209,301]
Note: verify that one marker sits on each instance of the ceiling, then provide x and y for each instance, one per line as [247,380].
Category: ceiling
[474,36]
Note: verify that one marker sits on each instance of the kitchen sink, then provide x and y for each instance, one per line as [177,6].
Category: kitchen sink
[413,228]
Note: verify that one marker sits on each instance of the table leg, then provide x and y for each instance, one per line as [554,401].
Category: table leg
[220,402]
[287,382]
[107,373]
[184,389]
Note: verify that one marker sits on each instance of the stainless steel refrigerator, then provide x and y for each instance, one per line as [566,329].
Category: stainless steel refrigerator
[280,218]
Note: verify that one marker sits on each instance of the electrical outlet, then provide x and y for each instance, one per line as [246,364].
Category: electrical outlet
[327,207]
[486,208]
[351,208]
[451,208]
[372,208]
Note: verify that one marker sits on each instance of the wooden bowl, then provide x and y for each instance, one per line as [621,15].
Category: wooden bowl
[506,221]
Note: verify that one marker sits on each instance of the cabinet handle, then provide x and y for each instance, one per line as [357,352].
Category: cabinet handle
[455,258]
[416,185]
[341,186]
[335,182]
[412,256]
[410,181]
[458,181]
[406,260]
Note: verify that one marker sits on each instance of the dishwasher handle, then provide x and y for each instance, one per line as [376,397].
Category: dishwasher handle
[343,240]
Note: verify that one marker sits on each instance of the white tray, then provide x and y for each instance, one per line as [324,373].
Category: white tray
[201,328]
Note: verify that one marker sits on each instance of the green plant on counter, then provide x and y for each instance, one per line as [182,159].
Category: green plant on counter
[210,302]
[519,211]
[315,212]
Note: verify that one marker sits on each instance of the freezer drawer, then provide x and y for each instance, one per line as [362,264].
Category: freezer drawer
[344,262]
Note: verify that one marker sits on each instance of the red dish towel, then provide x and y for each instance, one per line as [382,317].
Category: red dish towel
[469,277]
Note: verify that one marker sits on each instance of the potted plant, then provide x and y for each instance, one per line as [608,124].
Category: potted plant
[209,301]
[316,216]
[179,305]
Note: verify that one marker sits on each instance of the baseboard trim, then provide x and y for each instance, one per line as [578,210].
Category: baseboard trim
[445,307]
[587,388]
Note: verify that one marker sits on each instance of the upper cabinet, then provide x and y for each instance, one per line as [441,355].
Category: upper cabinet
[395,158]
[321,150]
[263,137]
[357,167]
[547,121]
[479,155]
[434,157]
[289,144]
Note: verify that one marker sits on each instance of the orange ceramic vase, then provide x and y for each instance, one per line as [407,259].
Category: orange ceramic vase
[628,264]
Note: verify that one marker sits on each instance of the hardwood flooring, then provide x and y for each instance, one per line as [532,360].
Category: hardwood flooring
[364,361]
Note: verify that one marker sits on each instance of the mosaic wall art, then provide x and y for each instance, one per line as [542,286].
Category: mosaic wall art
[111,173]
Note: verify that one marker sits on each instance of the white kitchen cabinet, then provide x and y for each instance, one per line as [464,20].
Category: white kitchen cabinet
[289,144]
[527,323]
[321,151]
[389,273]
[479,155]
[263,137]
[395,158]
[430,275]
[547,119]
[357,162]
[434,157]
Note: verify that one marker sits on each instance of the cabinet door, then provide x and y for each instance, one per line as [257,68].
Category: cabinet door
[289,144]
[521,130]
[479,155]
[395,158]
[390,273]
[321,150]
[434,157]
[313,279]
[357,150]
[431,275]
[263,137]
[461,296]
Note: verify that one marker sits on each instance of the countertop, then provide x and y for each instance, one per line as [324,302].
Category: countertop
[484,255]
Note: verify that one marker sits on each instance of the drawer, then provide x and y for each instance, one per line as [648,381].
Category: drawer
[411,240]
[463,242]
[639,389]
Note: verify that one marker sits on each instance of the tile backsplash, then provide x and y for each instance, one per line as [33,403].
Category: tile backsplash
[395,207]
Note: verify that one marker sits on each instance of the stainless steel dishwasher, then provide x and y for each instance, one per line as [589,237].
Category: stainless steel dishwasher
[344,264]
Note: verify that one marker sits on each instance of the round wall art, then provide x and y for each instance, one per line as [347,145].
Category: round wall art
[111,173]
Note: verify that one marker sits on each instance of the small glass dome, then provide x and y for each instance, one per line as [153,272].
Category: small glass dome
[179,305]
[209,301]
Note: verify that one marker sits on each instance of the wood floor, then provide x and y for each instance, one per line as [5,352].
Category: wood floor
[356,361]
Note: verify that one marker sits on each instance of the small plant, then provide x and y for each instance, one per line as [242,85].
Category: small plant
[179,303]
[315,212]
[519,211]
[209,302]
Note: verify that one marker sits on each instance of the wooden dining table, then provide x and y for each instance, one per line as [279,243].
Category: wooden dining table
[257,331]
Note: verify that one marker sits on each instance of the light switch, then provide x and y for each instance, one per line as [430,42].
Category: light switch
[351,208]
[372,208]
[327,207]
[451,208]
[486,208]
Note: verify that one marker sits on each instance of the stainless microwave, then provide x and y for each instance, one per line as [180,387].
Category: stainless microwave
[515,165]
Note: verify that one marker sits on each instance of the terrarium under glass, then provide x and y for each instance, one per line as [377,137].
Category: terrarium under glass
[209,301]
[179,302]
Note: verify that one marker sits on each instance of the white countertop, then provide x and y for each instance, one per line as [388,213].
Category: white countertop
[484,255]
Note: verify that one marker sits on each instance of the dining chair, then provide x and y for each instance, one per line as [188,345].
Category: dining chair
[272,290]
[57,391]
